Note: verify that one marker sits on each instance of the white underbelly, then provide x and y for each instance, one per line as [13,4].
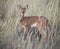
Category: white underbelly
[34,25]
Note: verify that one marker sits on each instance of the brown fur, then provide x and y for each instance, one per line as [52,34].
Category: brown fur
[27,21]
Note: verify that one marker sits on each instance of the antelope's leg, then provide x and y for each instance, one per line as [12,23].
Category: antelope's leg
[26,31]
[43,34]
[39,26]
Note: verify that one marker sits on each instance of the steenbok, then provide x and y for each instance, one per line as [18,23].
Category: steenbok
[40,22]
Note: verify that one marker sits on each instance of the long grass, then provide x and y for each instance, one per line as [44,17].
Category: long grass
[12,32]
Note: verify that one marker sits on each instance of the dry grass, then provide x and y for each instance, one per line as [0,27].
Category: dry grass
[12,34]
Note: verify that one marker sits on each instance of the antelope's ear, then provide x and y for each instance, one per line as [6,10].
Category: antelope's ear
[27,7]
[19,6]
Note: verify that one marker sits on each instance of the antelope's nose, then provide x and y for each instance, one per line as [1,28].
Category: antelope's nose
[23,12]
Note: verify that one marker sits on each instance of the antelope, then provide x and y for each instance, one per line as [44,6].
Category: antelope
[33,21]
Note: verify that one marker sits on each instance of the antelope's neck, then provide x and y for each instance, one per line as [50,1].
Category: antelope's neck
[22,15]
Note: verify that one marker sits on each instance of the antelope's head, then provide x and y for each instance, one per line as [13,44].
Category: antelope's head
[22,9]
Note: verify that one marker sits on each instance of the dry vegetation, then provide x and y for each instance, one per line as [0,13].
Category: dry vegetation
[12,34]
